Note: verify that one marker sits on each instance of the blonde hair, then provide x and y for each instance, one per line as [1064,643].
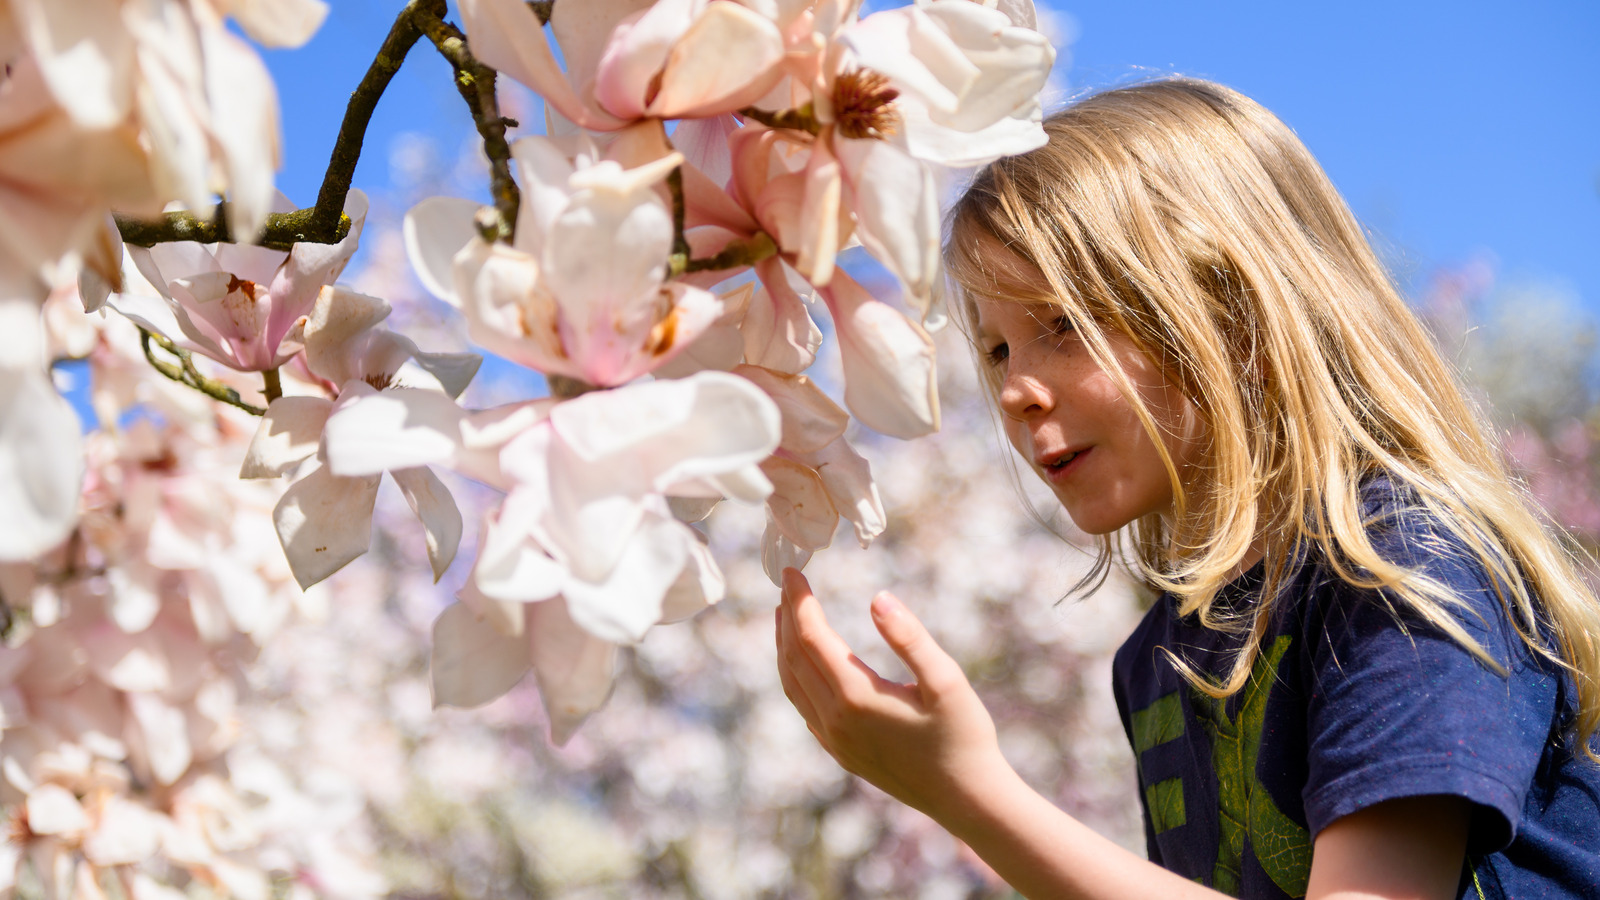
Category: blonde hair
[1185,216]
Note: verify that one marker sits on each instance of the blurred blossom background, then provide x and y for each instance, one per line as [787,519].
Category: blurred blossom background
[1467,137]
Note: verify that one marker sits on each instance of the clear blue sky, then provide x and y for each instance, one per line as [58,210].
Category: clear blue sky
[1452,128]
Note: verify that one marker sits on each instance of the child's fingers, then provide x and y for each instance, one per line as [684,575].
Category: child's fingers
[791,685]
[934,670]
[812,634]
[806,674]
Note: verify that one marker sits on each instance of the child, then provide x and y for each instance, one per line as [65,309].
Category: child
[1372,671]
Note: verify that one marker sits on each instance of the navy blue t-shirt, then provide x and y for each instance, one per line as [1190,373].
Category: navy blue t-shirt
[1349,706]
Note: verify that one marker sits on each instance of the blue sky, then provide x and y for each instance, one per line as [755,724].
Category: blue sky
[1453,129]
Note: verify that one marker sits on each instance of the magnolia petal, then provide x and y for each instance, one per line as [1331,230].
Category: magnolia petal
[85,54]
[583,31]
[370,431]
[629,601]
[819,216]
[1021,13]
[486,432]
[915,52]
[747,485]
[848,479]
[506,616]
[544,170]
[635,54]
[719,345]
[507,311]
[337,319]
[53,810]
[511,566]
[311,266]
[709,424]
[779,553]
[779,333]
[690,510]
[726,60]
[437,229]
[506,35]
[454,371]
[279,23]
[700,586]
[1013,63]
[897,212]
[41,463]
[935,143]
[704,145]
[573,668]
[245,127]
[127,833]
[324,521]
[436,509]
[289,432]
[166,748]
[890,381]
[799,505]
[472,663]
[811,421]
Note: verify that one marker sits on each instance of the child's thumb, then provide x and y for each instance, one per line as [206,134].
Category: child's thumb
[932,667]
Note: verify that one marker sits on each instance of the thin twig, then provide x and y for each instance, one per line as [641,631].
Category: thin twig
[680,244]
[735,255]
[799,119]
[564,388]
[185,373]
[542,9]
[273,388]
[476,84]
[281,231]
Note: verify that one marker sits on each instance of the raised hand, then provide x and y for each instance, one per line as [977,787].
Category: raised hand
[930,744]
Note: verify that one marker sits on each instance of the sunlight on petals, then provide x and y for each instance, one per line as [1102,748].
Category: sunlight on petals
[472,661]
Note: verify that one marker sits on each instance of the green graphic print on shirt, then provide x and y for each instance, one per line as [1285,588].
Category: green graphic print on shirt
[1281,846]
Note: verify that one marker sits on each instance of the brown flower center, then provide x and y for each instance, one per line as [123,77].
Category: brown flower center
[379,381]
[863,104]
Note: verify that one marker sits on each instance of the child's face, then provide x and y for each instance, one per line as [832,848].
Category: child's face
[1067,418]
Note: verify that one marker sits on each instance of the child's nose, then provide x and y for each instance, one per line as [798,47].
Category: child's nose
[1023,396]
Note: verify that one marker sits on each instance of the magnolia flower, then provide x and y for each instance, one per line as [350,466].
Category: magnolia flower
[581,292]
[236,303]
[199,97]
[324,519]
[41,450]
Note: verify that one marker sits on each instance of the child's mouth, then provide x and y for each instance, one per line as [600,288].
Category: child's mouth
[1059,465]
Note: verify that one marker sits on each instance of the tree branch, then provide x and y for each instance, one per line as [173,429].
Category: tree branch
[680,243]
[476,84]
[185,373]
[798,119]
[542,9]
[281,231]
[736,255]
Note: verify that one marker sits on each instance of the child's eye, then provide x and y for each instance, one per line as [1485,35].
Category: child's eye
[1061,325]
[997,354]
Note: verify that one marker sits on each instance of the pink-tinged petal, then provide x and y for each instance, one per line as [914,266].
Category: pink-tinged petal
[690,510]
[628,602]
[799,504]
[372,431]
[507,311]
[704,145]
[1009,136]
[573,668]
[779,553]
[890,381]
[780,208]
[820,235]
[310,266]
[436,509]
[507,616]
[485,433]
[506,35]
[664,432]
[166,748]
[472,662]
[726,60]
[1013,63]
[453,371]
[126,834]
[279,23]
[510,568]
[53,810]
[746,484]
[324,521]
[915,52]
[244,127]
[637,51]
[692,312]
[811,421]
[1021,13]
[700,586]
[848,480]
[779,333]
[543,171]
[593,510]
[582,31]
[719,346]
[437,229]
[337,319]
[41,462]
[288,434]
[897,212]
[85,54]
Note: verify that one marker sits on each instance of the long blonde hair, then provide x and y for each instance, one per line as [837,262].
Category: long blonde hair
[1185,216]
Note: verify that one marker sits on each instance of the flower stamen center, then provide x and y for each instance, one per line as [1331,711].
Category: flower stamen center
[863,104]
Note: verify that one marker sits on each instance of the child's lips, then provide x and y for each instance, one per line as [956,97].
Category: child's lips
[1057,466]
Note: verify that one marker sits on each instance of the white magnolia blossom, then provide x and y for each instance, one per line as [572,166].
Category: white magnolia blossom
[324,519]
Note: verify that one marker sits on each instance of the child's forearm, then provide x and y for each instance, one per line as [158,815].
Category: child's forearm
[1045,853]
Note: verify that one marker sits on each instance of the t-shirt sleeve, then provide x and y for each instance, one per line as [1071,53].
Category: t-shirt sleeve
[1398,709]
